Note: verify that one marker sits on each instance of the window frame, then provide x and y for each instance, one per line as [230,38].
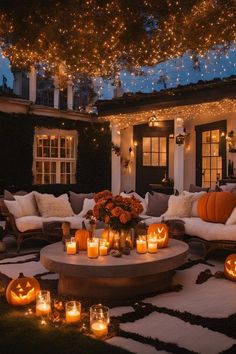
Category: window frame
[159,152]
[58,160]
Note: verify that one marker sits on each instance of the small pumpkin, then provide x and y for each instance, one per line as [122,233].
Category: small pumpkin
[161,231]
[81,237]
[230,267]
[216,206]
[22,290]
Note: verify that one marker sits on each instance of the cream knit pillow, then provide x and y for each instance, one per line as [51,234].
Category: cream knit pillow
[49,205]
[179,206]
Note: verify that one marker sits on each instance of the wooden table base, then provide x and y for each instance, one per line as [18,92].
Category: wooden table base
[114,288]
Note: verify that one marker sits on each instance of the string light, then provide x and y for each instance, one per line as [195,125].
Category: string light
[185,112]
[101,38]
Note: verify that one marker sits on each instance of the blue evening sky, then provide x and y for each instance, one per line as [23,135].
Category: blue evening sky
[175,71]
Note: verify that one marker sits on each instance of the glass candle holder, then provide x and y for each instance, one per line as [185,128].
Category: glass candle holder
[43,303]
[92,247]
[141,244]
[99,320]
[71,247]
[73,311]
[103,247]
[152,243]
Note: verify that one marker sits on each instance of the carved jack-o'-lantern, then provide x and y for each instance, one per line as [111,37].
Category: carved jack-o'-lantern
[22,291]
[230,267]
[161,232]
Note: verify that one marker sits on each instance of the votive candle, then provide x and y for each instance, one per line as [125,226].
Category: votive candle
[73,311]
[71,246]
[43,303]
[103,248]
[99,320]
[92,247]
[152,244]
[141,244]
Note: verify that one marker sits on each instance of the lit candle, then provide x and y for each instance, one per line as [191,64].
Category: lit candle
[43,303]
[71,246]
[141,244]
[152,245]
[99,320]
[99,328]
[92,247]
[73,311]
[103,248]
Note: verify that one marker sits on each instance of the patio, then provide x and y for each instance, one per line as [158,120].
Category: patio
[195,315]
[117,177]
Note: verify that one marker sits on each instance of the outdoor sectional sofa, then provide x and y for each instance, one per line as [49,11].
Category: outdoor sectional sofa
[212,235]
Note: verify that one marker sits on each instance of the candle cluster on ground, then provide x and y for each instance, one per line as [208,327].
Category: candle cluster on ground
[98,314]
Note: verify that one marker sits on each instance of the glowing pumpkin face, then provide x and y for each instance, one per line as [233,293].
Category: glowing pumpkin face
[161,232]
[22,291]
[230,267]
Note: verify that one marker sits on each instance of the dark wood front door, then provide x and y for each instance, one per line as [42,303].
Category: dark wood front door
[210,153]
[152,154]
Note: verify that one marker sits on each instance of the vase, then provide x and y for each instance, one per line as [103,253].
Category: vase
[120,239]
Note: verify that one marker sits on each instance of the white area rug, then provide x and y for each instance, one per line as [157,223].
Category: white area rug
[199,318]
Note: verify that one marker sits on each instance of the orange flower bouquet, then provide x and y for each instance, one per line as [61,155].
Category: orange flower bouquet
[118,212]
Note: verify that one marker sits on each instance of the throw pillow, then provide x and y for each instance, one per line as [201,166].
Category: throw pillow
[49,205]
[232,218]
[8,195]
[194,189]
[27,203]
[157,204]
[88,205]
[216,206]
[137,196]
[77,200]
[194,202]
[14,208]
[179,206]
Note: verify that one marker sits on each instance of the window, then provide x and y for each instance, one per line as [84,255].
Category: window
[54,156]
[154,151]
[211,159]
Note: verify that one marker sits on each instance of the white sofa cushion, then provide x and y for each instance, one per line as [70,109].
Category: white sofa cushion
[194,201]
[50,206]
[14,208]
[26,223]
[88,204]
[27,203]
[179,206]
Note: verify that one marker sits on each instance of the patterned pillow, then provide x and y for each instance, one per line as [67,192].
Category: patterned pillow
[48,205]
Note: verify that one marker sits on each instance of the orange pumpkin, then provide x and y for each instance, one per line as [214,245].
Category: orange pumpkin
[81,237]
[216,206]
[161,232]
[230,267]
[22,291]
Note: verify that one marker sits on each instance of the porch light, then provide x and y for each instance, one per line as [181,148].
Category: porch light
[180,139]
[153,122]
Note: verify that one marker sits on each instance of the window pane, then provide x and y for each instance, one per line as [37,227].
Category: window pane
[146,144]
[162,159]
[154,159]
[206,150]
[155,147]
[206,162]
[215,136]
[162,144]
[216,162]
[206,137]
[215,150]
[146,159]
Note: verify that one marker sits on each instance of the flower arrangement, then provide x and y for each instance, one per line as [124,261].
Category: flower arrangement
[118,212]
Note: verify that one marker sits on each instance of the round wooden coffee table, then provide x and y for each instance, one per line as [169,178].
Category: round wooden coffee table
[108,277]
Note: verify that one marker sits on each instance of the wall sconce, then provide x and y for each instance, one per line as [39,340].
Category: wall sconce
[135,143]
[179,140]
[153,122]
[231,140]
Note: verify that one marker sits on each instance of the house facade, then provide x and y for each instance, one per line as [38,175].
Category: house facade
[186,134]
